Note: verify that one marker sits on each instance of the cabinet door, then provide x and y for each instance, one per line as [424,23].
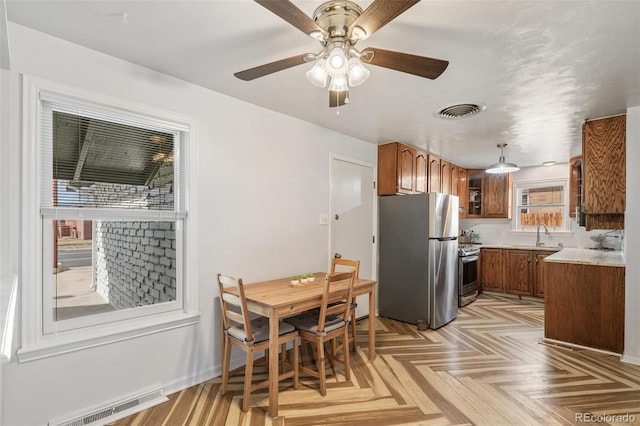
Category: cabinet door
[538,272]
[575,185]
[519,272]
[604,172]
[475,194]
[497,195]
[463,191]
[492,268]
[405,169]
[422,171]
[434,174]
[445,176]
[455,179]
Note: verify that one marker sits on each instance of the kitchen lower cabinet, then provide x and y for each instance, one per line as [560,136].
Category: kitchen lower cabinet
[492,269]
[525,272]
[519,271]
[584,305]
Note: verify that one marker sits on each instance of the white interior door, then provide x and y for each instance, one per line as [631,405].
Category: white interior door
[352,217]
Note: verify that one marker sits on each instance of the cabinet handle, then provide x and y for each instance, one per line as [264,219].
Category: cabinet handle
[529,260]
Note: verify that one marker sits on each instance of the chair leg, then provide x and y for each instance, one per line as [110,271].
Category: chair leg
[353,328]
[345,350]
[248,373]
[321,368]
[294,363]
[226,359]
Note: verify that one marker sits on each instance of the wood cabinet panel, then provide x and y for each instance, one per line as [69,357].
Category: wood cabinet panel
[492,269]
[604,155]
[497,195]
[455,179]
[434,174]
[575,185]
[584,304]
[539,278]
[519,272]
[405,169]
[445,176]
[463,191]
[422,171]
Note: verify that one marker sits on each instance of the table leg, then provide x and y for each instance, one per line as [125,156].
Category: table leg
[273,365]
[372,324]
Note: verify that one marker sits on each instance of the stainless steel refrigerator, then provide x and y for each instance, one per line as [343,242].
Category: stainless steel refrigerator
[418,258]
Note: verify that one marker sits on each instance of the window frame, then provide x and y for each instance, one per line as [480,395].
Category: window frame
[532,184]
[38,339]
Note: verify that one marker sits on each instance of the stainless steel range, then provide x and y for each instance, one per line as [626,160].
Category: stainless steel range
[468,273]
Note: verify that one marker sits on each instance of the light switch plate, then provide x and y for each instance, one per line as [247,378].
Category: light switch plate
[324,219]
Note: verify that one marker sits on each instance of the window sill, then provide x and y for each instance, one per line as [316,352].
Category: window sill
[77,340]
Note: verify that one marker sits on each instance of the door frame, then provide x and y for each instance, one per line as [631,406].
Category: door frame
[374,232]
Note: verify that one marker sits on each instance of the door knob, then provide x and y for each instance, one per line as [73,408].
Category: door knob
[337,256]
[337,217]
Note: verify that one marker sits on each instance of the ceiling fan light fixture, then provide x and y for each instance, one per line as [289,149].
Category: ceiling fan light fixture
[358,74]
[339,84]
[502,166]
[317,75]
[337,62]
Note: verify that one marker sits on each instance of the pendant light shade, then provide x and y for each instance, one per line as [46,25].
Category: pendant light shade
[501,166]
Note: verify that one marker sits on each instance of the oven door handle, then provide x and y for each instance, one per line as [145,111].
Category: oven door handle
[467,259]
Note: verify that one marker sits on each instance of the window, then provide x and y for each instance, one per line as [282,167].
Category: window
[541,202]
[109,238]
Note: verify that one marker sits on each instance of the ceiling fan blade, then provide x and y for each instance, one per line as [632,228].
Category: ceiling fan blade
[405,62]
[270,68]
[337,98]
[290,13]
[380,13]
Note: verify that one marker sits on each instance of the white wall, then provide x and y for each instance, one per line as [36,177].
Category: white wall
[632,240]
[262,181]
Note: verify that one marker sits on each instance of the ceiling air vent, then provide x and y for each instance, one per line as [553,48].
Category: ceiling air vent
[455,112]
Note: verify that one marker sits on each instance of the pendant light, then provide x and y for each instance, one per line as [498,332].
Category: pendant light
[501,166]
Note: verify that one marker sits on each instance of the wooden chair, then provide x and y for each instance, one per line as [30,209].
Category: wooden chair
[353,265]
[326,325]
[252,336]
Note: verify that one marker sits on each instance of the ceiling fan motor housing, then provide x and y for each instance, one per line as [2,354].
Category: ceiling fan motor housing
[336,17]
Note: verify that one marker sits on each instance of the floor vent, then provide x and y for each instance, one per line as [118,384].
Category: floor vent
[115,411]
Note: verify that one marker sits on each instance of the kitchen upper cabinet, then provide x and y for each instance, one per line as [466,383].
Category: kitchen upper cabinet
[421,160]
[434,174]
[455,178]
[475,193]
[463,191]
[489,195]
[396,169]
[492,269]
[445,176]
[519,271]
[497,195]
[584,305]
[575,185]
[604,172]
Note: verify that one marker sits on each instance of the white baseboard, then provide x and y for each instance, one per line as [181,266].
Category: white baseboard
[630,359]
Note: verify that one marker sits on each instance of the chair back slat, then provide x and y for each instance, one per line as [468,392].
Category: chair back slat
[341,307]
[230,300]
[345,264]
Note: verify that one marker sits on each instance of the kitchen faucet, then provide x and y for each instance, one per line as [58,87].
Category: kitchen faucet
[546,231]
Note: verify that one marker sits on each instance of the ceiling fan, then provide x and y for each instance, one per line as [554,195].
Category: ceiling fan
[338,25]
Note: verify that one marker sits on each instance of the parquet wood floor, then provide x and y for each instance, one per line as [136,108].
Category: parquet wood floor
[487,367]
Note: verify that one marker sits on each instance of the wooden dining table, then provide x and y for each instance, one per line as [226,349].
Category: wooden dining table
[278,299]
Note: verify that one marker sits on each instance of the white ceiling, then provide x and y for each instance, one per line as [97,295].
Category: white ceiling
[541,67]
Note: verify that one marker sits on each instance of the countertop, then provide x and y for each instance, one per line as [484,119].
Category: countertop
[588,257]
[520,247]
